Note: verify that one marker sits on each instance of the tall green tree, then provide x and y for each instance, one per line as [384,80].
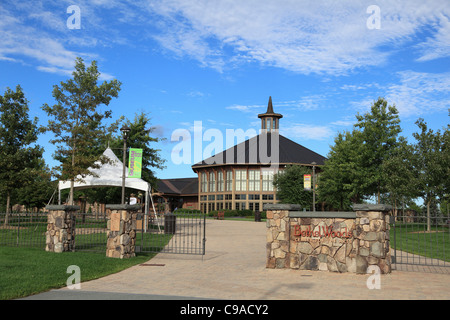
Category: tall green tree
[400,171]
[289,184]
[39,189]
[379,132]
[18,152]
[339,184]
[142,136]
[430,156]
[77,122]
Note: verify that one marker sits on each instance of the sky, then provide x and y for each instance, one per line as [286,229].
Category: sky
[211,65]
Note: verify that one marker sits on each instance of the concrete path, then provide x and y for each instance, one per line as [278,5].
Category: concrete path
[234,268]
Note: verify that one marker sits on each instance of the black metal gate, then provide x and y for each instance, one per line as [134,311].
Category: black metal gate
[418,241]
[180,233]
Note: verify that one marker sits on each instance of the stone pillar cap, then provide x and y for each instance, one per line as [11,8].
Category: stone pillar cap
[371,207]
[282,206]
[130,207]
[64,207]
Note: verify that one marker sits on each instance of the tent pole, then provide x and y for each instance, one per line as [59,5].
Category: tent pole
[156,215]
[146,211]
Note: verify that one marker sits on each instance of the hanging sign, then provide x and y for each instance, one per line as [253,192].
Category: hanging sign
[307,182]
[135,163]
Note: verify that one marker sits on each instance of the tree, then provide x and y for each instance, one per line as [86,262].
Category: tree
[40,188]
[289,184]
[18,153]
[400,171]
[140,136]
[379,131]
[78,124]
[430,157]
[339,184]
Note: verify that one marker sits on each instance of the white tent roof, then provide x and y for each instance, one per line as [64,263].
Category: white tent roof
[108,175]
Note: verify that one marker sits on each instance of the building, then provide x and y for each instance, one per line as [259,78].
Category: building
[176,193]
[241,177]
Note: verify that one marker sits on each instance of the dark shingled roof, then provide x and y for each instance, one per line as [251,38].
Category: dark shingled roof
[247,152]
[182,186]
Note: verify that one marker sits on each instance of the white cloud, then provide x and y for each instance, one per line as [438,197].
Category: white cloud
[305,37]
[418,93]
[307,132]
[301,36]
[246,108]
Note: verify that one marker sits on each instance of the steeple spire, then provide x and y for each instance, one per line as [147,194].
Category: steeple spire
[270,119]
[269,106]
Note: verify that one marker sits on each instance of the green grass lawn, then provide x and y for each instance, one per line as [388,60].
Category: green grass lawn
[410,237]
[27,271]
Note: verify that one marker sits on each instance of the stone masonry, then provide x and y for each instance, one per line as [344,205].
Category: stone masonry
[328,241]
[60,235]
[121,235]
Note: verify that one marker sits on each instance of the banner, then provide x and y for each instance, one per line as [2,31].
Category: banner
[135,163]
[307,182]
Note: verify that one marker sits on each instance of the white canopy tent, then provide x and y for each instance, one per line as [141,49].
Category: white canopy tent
[110,175]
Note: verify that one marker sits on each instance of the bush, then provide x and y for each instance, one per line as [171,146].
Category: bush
[236,213]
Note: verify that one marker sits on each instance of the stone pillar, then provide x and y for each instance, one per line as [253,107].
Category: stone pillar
[121,235]
[278,234]
[60,235]
[372,234]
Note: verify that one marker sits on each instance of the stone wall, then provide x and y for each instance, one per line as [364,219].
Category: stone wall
[121,235]
[328,241]
[60,235]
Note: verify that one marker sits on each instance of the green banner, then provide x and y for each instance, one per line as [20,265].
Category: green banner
[135,163]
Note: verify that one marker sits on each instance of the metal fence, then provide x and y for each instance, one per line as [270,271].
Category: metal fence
[417,241]
[28,230]
[23,229]
[90,232]
[180,233]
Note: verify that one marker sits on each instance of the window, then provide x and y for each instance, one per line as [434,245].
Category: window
[254,206]
[228,197]
[220,181]
[241,180]
[253,180]
[240,196]
[253,197]
[204,182]
[229,181]
[211,197]
[240,205]
[267,180]
[267,196]
[212,182]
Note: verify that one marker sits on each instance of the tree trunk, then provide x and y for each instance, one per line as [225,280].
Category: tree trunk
[8,204]
[428,215]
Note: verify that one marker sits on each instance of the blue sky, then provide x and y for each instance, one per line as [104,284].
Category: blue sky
[219,61]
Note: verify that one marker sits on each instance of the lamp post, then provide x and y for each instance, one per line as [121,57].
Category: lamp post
[125,131]
[314,185]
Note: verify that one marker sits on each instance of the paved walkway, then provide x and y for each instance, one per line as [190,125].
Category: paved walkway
[234,268]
